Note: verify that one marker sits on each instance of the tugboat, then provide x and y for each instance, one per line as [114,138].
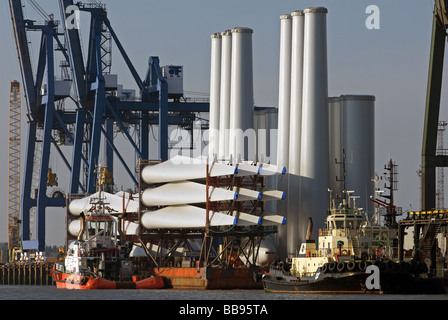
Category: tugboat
[353,255]
[99,258]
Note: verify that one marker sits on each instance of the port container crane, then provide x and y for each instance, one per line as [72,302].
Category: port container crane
[429,158]
[95,113]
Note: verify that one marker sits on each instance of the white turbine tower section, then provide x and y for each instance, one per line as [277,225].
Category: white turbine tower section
[241,94]
[295,119]
[284,91]
[224,105]
[295,130]
[314,169]
[215,88]
[284,98]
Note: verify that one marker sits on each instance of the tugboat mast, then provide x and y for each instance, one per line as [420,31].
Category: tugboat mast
[391,213]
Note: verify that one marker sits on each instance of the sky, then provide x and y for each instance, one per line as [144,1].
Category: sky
[390,63]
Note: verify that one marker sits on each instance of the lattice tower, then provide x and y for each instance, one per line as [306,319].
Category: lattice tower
[14,166]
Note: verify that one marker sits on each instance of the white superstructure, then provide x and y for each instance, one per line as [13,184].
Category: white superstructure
[347,239]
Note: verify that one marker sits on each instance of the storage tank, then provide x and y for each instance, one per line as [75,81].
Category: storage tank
[295,128]
[335,144]
[224,105]
[358,141]
[314,157]
[241,92]
[215,88]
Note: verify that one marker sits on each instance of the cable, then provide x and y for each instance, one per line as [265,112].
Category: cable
[39,9]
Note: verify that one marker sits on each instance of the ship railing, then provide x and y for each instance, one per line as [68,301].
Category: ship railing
[442,273]
[281,268]
[307,274]
[430,214]
[340,232]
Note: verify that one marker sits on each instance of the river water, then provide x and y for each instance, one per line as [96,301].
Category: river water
[52,293]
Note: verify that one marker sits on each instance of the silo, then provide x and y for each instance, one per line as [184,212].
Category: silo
[335,144]
[314,156]
[215,88]
[224,116]
[284,90]
[358,141]
[295,127]
[241,93]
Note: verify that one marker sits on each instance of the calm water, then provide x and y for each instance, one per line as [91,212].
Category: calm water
[52,293]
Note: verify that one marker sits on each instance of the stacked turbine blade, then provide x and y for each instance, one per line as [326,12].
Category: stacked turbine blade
[177,193]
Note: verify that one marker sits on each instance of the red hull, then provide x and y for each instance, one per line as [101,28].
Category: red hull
[78,282]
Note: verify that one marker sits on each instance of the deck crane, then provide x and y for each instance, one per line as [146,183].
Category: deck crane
[96,109]
[430,161]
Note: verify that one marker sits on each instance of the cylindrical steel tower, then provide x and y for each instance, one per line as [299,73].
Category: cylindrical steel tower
[295,128]
[284,91]
[295,121]
[314,171]
[241,92]
[215,88]
[358,141]
[283,136]
[335,145]
[224,116]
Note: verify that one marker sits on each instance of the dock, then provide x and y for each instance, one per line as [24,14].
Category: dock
[427,225]
[33,274]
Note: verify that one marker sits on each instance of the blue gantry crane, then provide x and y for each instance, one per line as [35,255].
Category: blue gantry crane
[96,109]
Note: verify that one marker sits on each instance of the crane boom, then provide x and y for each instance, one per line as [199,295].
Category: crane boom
[23,54]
